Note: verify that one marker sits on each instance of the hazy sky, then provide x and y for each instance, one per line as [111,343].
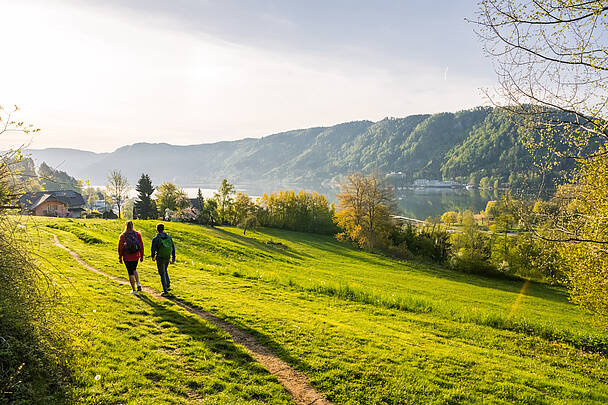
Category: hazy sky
[97,75]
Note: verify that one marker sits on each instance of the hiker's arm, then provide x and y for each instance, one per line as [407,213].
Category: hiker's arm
[120,249]
[153,248]
[141,243]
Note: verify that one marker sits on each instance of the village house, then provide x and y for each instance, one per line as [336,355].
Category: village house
[62,203]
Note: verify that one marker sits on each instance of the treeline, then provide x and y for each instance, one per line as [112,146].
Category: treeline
[302,211]
[495,241]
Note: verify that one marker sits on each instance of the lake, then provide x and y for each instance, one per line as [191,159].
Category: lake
[431,202]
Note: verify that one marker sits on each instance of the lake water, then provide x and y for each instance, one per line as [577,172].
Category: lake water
[423,203]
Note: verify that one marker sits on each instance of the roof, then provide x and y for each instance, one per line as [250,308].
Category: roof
[195,203]
[30,201]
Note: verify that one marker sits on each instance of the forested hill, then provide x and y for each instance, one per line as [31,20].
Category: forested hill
[465,146]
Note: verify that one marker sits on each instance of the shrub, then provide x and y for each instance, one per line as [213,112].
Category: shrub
[430,243]
[33,354]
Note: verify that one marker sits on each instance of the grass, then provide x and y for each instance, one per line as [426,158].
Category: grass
[363,328]
[146,351]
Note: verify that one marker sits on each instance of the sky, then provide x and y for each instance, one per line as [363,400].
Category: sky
[100,75]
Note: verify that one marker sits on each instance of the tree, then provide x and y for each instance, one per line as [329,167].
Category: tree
[552,66]
[208,214]
[170,197]
[303,212]
[450,217]
[492,209]
[117,189]
[145,206]
[244,212]
[128,208]
[224,199]
[552,63]
[365,205]
[200,200]
[33,330]
[484,183]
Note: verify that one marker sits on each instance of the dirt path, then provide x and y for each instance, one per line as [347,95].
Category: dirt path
[294,381]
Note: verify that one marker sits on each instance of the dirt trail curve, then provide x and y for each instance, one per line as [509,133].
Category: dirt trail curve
[294,381]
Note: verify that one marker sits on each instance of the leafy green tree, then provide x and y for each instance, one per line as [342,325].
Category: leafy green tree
[170,197]
[145,206]
[244,212]
[225,200]
[200,199]
[208,215]
[303,212]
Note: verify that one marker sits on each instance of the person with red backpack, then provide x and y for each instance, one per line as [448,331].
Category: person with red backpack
[130,250]
[163,249]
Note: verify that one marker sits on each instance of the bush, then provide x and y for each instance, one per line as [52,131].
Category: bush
[430,243]
[472,263]
[33,354]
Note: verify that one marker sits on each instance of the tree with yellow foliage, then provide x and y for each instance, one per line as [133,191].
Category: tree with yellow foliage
[365,205]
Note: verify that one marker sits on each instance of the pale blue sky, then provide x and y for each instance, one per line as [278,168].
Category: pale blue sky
[189,71]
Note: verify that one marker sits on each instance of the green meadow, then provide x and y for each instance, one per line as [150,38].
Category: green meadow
[363,328]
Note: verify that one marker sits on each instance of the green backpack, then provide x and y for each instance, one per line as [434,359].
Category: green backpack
[165,247]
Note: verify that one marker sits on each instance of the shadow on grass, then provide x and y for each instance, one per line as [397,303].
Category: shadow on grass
[261,338]
[256,244]
[210,336]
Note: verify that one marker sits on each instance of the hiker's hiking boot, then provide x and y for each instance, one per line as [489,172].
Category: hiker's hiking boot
[134,292]
[139,287]
[164,293]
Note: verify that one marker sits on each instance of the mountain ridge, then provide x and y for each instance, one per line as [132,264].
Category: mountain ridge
[465,146]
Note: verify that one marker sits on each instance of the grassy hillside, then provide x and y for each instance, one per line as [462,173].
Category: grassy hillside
[363,328]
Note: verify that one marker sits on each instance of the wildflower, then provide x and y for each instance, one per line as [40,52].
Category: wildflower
[97,377]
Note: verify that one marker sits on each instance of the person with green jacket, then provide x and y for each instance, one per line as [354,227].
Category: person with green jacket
[163,250]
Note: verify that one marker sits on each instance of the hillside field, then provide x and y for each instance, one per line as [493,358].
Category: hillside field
[363,328]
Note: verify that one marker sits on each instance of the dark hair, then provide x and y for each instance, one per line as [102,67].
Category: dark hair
[160,228]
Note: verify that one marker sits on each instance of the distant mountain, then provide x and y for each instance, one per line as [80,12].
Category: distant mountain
[68,160]
[465,146]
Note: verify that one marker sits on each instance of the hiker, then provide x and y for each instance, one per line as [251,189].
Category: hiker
[163,249]
[131,249]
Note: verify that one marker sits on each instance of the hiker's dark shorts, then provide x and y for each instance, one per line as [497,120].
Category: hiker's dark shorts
[131,266]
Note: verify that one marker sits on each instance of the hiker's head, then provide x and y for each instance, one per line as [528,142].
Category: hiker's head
[160,228]
[128,226]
